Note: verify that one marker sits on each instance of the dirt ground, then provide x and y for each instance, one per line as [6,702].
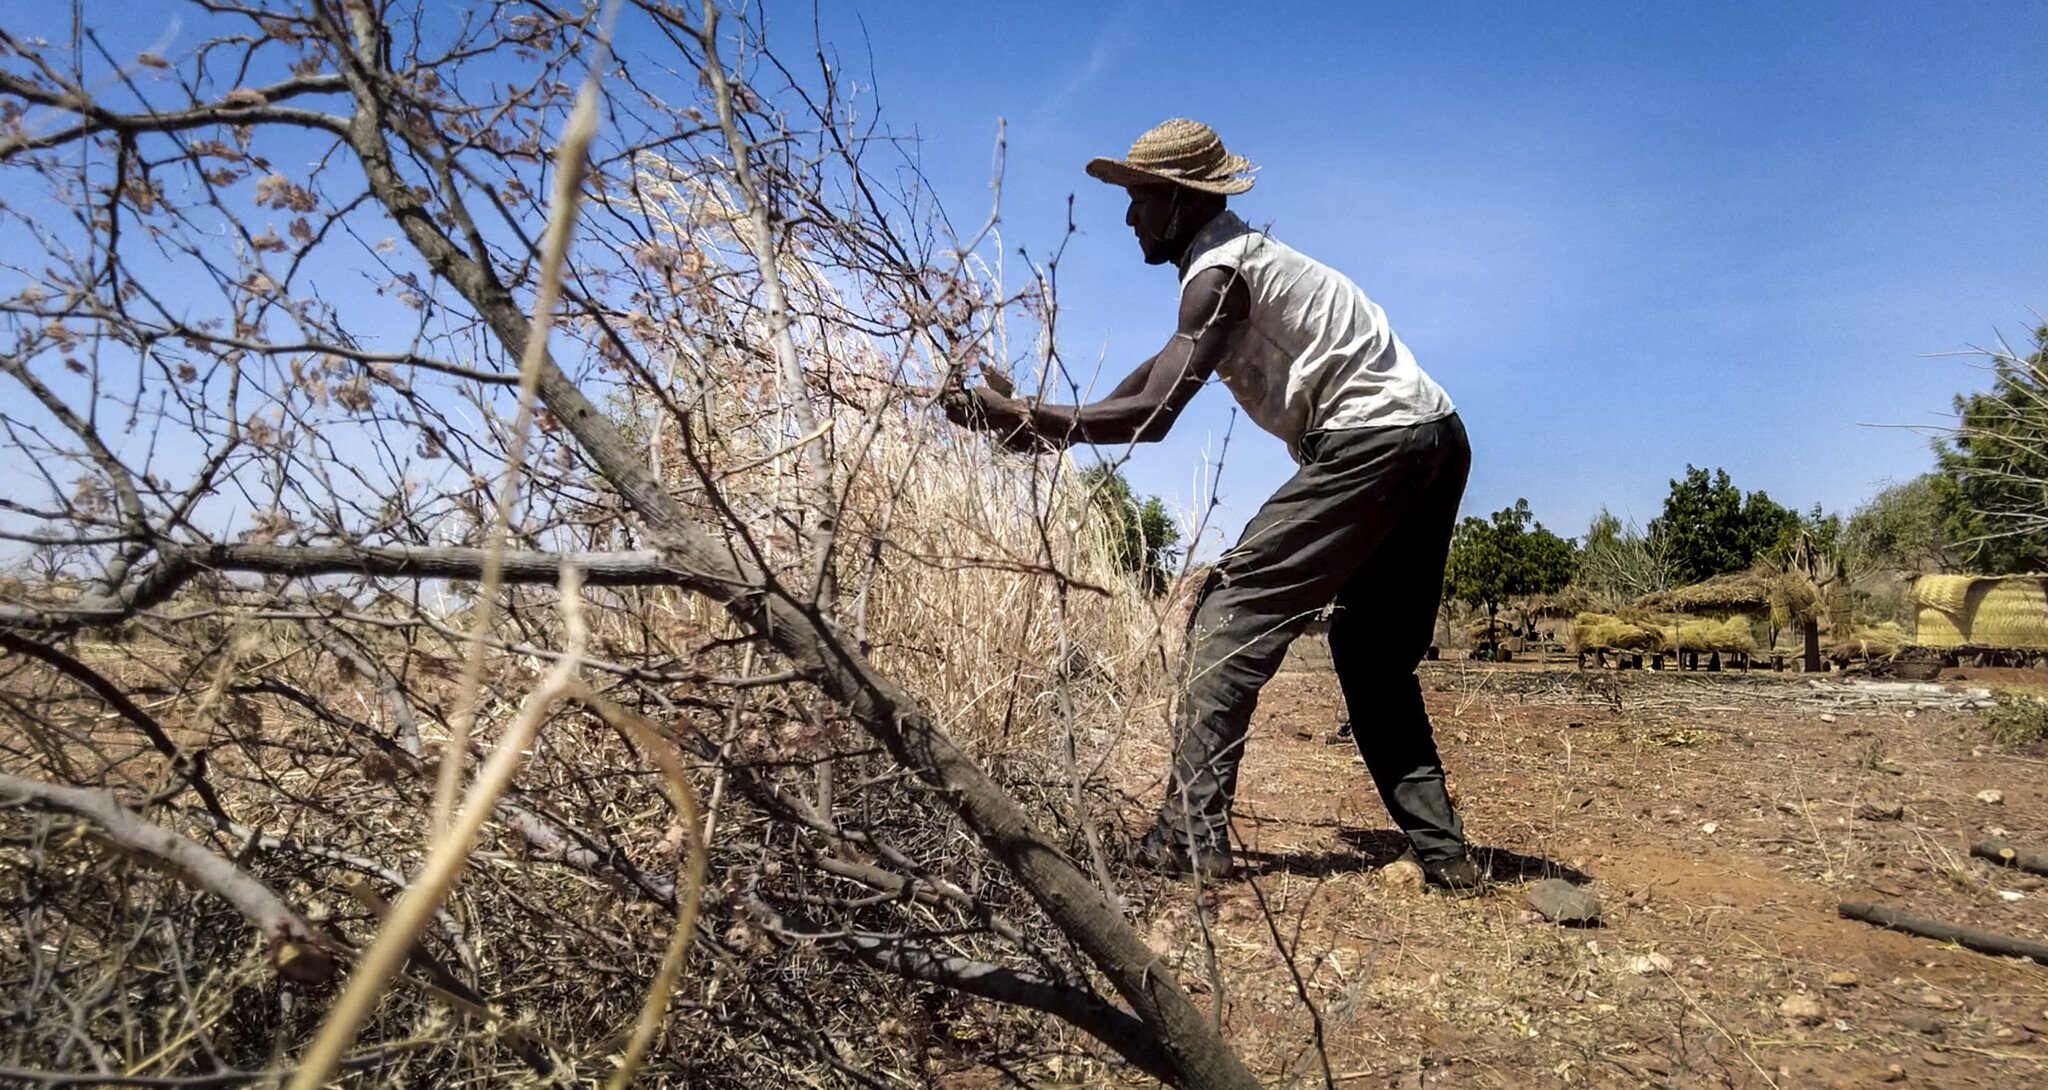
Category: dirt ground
[1716,817]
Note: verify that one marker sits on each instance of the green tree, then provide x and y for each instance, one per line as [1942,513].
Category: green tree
[1709,527]
[1996,466]
[1905,527]
[1505,557]
[1142,537]
[1824,534]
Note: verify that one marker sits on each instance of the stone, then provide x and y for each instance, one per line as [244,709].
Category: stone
[1645,964]
[1870,811]
[1920,1023]
[1802,1009]
[1893,1073]
[1991,798]
[1403,874]
[1843,979]
[1934,1059]
[1562,902]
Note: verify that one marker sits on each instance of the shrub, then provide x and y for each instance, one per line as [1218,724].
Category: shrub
[2018,721]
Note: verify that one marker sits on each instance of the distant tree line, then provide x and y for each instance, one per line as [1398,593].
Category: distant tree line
[1983,508]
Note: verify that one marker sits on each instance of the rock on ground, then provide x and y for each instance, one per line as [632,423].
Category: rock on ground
[1562,902]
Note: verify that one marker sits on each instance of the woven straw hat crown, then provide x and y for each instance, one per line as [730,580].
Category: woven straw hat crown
[1178,152]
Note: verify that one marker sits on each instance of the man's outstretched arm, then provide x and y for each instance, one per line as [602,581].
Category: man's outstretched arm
[1145,404]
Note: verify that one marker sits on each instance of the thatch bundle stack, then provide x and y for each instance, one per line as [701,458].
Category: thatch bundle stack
[2007,612]
[1605,632]
[1668,634]
[1731,636]
[1721,596]
[1879,641]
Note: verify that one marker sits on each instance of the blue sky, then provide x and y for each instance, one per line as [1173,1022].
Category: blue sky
[1626,237]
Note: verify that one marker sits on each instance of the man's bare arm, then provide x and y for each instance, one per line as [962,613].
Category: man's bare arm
[1145,404]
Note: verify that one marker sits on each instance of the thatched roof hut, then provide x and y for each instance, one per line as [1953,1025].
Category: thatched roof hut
[1566,604]
[1723,595]
[1992,611]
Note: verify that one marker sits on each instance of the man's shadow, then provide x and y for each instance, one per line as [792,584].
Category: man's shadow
[1372,849]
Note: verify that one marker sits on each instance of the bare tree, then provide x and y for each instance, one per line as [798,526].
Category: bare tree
[296,468]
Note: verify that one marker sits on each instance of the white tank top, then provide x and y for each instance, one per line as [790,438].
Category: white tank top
[1315,352]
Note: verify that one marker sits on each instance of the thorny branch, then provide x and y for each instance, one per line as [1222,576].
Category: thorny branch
[269,350]
[293,947]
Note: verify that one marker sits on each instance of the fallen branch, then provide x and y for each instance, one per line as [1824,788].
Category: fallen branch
[294,949]
[2006,855]
[1076,1006]
[1984,942]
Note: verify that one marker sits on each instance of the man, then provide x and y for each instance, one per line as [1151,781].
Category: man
[1365,521]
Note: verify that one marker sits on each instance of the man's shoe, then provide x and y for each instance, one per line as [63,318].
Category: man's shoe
[1169,856]
[1458,876]
[1342,736]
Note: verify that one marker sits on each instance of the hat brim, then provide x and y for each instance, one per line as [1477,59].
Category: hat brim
[1119,172]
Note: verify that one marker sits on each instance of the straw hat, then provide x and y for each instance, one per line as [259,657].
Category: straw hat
[1178,152]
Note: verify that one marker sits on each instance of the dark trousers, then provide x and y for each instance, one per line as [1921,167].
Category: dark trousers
[1366,522]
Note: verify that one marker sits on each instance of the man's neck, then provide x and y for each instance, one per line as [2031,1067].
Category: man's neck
[1188,249]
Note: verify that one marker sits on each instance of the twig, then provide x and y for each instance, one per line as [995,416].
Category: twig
[688,896]
[216,1081]
[295,950]
[394,941]
[1102,1020]
[572,160]
[822,532]
[189,769]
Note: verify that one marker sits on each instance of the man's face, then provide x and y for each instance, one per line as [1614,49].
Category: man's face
[1152,218]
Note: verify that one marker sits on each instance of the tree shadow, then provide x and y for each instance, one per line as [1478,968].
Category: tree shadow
[1372,849]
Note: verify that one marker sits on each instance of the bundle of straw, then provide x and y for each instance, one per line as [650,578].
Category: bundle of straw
[1730,636]
[1605,632]
[1869,641]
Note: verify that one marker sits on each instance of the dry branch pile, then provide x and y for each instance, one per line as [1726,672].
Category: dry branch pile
[271,310]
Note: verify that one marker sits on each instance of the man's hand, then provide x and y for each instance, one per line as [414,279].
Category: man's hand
[979,408]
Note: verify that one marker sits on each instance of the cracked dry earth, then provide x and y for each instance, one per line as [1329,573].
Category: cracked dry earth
[1716,816]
